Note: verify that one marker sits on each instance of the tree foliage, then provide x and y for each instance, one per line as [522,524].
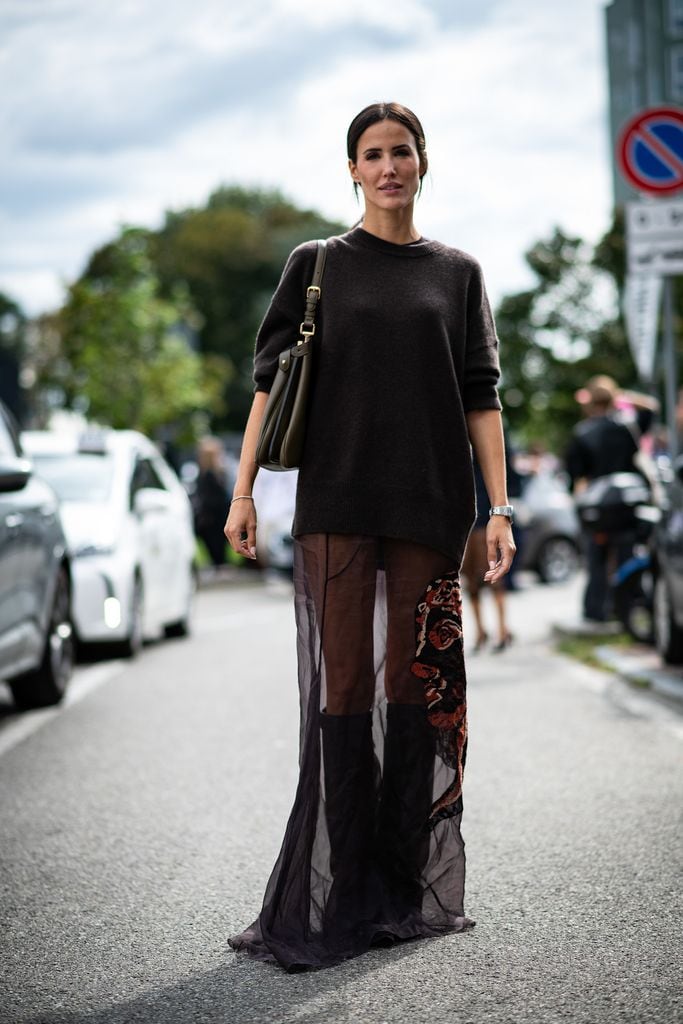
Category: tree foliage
[227,256]
[563,330]
[12,343]
[118,349]
[12,325]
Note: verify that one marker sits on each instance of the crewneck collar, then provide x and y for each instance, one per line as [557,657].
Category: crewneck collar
[423,247]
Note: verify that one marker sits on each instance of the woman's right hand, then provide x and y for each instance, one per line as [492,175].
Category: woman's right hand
[240,527]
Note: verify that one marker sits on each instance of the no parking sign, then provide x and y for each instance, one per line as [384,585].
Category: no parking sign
[650,151]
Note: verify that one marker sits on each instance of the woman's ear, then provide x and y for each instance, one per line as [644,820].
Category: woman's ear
[353,171]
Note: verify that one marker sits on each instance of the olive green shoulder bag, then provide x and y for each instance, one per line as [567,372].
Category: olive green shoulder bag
[280,443]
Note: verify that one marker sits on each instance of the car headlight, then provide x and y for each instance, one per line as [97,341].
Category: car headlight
[112,612]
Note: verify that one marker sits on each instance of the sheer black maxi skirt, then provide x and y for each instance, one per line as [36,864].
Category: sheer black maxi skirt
[372,851]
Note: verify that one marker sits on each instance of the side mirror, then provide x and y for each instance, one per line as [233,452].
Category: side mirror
[14,473]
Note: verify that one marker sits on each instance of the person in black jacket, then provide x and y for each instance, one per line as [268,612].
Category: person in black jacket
[604,442]
[210,499]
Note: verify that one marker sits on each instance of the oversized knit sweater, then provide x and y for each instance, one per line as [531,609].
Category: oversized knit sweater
[405,345]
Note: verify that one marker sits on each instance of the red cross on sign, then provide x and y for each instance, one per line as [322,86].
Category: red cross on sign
[650,151]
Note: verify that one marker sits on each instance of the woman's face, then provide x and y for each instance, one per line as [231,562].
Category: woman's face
[387,165]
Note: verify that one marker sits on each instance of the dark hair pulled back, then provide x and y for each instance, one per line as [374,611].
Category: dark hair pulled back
[382,112]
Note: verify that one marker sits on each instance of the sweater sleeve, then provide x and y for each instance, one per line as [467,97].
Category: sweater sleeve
[482,369]
[279,327]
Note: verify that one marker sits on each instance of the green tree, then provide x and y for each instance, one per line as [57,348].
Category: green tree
[120,351]
[560,332]
[12,343]
[227,258]
[230,254]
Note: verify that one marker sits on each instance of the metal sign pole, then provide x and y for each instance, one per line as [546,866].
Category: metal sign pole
[670,368]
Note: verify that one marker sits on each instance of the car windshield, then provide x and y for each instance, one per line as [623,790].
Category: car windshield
[83,477]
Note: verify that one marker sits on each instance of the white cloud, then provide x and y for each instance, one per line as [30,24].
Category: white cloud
[119,112]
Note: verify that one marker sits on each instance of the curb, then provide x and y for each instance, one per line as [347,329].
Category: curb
[637,664]
[641,666]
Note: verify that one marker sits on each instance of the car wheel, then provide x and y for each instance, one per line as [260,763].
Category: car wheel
[180,628]
[668,634]
[183,627]
[633,605]
[133,642]
[47,684]
[556,560]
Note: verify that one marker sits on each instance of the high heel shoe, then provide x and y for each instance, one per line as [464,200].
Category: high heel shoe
[502,644]
[481,643]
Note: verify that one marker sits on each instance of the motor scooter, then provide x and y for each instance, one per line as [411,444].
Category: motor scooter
[621,505]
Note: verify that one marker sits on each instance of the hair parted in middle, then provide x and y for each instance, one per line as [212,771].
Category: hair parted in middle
[382,112]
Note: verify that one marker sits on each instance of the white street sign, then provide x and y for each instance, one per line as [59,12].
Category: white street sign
[654,236]
[655,256]
[642,296]
[659,217]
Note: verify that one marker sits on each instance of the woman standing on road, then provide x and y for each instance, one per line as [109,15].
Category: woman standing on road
[405,378]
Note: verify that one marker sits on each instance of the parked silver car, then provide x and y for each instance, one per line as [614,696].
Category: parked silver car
[551,539]
[36,641]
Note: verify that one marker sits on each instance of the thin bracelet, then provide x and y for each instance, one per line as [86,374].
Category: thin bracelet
[239,496]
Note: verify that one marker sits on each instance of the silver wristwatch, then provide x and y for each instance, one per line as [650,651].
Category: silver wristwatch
[502,510]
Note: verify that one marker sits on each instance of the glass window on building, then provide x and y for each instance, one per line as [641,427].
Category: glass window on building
[677,72]
[676,17]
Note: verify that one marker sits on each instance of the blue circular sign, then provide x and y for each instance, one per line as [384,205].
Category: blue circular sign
[650,150]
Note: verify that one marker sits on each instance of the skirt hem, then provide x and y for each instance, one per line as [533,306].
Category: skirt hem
[379,935]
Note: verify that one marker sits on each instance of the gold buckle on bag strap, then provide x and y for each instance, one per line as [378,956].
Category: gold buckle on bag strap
[313,292]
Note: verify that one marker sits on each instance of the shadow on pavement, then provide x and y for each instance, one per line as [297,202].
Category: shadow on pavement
[245,991]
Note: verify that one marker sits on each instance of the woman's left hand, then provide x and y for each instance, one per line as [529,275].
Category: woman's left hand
[500,548]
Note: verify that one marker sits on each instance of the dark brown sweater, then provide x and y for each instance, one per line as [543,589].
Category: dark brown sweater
[405,346]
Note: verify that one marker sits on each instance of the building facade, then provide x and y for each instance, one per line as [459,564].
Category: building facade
[645,66]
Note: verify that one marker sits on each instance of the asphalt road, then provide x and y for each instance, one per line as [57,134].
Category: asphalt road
[140,822]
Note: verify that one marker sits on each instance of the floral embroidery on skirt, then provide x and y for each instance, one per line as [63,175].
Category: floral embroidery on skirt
[440,663]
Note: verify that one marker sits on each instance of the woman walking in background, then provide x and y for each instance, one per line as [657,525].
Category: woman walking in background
[405,378]
[210,498]
[475,564]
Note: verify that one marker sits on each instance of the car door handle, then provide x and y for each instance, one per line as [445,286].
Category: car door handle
[13,519]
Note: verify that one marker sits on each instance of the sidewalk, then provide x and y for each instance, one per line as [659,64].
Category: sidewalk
[638,664]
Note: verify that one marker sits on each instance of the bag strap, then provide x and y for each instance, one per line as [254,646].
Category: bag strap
[307,328]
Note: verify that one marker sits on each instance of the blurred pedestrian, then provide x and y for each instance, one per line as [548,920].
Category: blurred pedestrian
[210,499]
[474,567]
[607,441]
[407,368]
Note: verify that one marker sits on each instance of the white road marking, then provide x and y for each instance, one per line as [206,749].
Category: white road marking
[84,682]
[88,680]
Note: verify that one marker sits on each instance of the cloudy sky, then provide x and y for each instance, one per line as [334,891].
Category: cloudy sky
[114,113]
